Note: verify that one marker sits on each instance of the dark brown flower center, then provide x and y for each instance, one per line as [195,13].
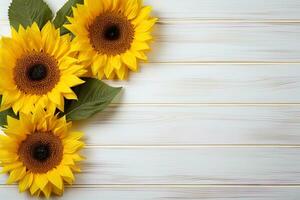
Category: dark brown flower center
[36,73]
[41,152]
[111,33]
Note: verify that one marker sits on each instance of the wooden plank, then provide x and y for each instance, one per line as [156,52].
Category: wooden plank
[109,193]
[183,165]
[194,125]
[226,9]
[219,42]
[211,42]
[208,9]
[240,83]
[205,83]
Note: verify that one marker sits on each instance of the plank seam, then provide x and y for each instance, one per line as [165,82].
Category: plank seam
[226,21]
[188,146]
[173,186]
[225,63]
[163,21]
[206,104]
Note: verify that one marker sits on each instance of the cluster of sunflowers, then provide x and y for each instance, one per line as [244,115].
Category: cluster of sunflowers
[51,71]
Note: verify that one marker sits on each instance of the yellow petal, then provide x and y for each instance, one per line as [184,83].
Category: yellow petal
[38,114]
[66,172]
[75,168]
[144,14]
[12,166]
[145,25]
[18,105]
[109,68]
[55,178]
[77,158]
[71,80]
[47,190]
[4,107]
[130,60]
[63,88]
[70,96]
[41,180]
[8,157]
[94,6]
[34,187]
[140,55]
[116,62]
[132,8]
[71,146]
[75,135]
[57,191]
[26,182]
[143,37]
[12,122]
[98,64]
[54,96]
[16,175]
[28,106]
[61,106]
[9,98]
[140,46]
[122,73]
[100,75]
[67,160]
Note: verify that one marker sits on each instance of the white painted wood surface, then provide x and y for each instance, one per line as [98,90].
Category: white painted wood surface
[223,42]
[189,165]
[215,114]
[222,83]
[196,124]
[130,192]
[210,9]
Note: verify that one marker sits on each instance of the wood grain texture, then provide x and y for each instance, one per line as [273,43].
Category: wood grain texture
[226,9]
[209,9]
[214,115]
[202,83]
[219,42]
[184,165]
[239,83]
[194,125]
[158,193]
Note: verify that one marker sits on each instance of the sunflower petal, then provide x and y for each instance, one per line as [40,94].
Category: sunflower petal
[72,80]
[66,172]
[130,60]
[75,135]
[26,182]
[144,14]
[55,178]
[146,25]
[71,146]
[41,180]
[12,166]
[16,175]
[34,187]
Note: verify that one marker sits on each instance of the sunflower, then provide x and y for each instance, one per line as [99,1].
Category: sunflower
[111,35]
[37,67]
[39,152]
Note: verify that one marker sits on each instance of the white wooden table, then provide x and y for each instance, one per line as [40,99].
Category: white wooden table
[215,114]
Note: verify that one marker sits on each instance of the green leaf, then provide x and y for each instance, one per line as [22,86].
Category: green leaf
[26,12]
[63,13]
[93,97]
[4,115]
